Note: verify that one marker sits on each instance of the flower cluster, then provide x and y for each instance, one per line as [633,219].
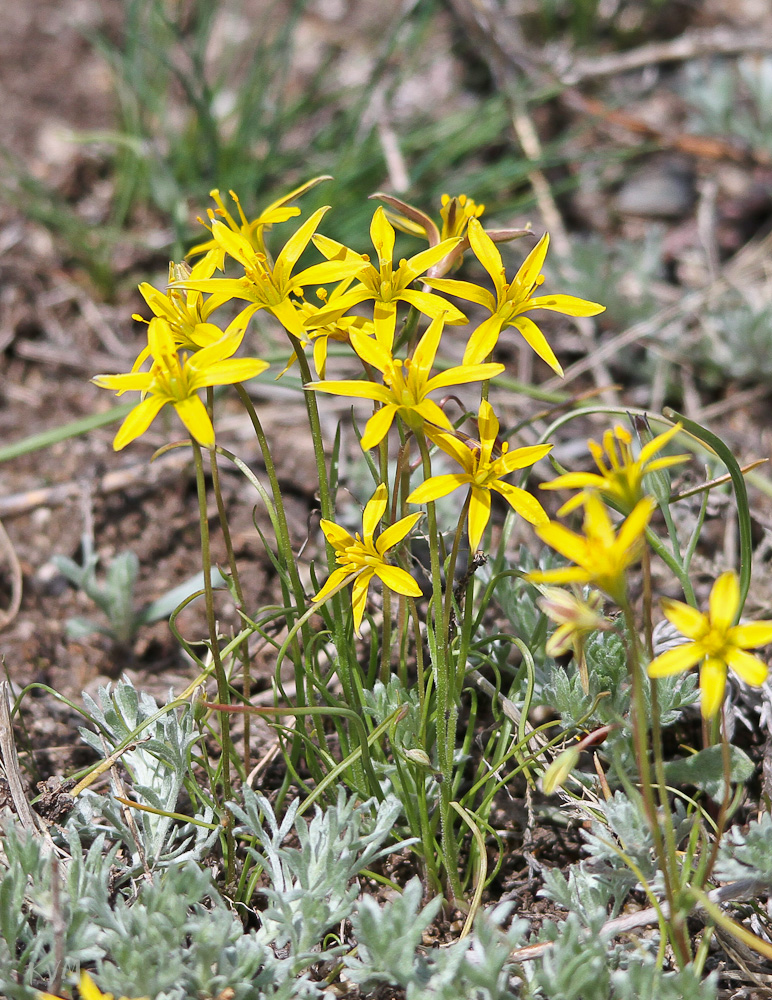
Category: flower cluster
[356,302]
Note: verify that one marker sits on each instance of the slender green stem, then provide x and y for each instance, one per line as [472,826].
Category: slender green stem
[219,671]
[243,650]
[447,705]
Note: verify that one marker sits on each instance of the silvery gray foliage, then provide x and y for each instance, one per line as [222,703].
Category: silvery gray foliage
[178,940]
[310,887]
[624,826]
[29,917]
[589,889]
[389,939]
[158,767]
[749,854]
[577,966]
[642,980]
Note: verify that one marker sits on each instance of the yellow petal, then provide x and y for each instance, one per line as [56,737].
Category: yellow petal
[359,596]
[385,323]
[486,252]
[463,374]
[567,543]
[521,458]
[377,426]
[297,243]
[532,265]
[483,340]
[751,635]
[521,501]
[675,661]
[398,580]
[334,580]
[635,523]
[192,413]
[569,305]
[382,235]
[575,481]
[536,339]
[712,684]
[686,619]
[138,421]
[724,601]
[658,443]
[357,388]
[89,990]
[488,428]
[131,382]
[423,260]
[464,290]
[564,574]
[229,372]
[434,306]
[438,486]
[338,537]
[374,511]
[479,515]
[752,670]
[394,534]
[426,350]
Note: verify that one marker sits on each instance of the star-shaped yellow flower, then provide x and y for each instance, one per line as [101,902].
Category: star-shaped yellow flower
[385,286]
[277,211]
[177,382]
[454,219]
[266,286]
[512,299]
[406,384]
[363,556]
[621,480]
[602,556]
[483,473]
[716,643]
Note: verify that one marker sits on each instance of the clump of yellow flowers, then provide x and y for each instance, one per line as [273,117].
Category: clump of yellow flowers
[431,429]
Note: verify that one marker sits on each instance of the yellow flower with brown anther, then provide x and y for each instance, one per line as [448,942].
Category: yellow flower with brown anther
[363,556]
[386,286]
[482,474]
[716,643]
[512,300]
[406,384]
[577,617]
[177,381]
[271,286]
[88,991]
[621,476]
[602,556]
[455,214]
[278,211]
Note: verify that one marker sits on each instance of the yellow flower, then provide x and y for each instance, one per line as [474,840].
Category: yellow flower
[512,299]
[385,286]
[325,323]
[362,557]
[577,618]
[454,219]
[601,556]
[88,991]
[267,286]
[277,211]
[175,382]
[482,473]
[406,384]
[621,480]
[716,643]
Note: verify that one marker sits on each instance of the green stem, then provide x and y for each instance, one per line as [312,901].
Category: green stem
[219,671]
[447,706]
